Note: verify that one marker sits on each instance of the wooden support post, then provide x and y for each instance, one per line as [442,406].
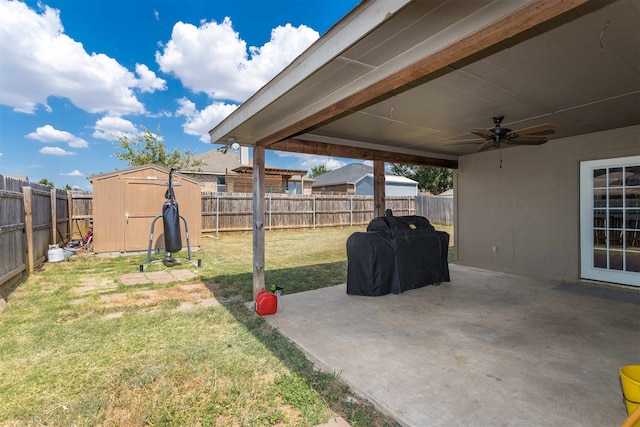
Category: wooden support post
[378,188]
[28,227]
[54,217]
[258,220]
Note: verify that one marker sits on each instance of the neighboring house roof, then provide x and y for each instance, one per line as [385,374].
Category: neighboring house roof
[217,162]
[350,173]
[353,173]
[448,193]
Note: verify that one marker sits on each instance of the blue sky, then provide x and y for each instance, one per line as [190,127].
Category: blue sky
[75,74]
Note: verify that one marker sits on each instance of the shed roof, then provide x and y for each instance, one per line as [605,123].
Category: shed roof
[398,179]
[140,168]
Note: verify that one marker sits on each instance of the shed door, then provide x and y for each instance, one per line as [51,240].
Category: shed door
[610,220]
[143,202]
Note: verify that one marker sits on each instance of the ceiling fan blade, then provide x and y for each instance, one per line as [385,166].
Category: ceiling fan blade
[485,133]
[485,145]
[546,127]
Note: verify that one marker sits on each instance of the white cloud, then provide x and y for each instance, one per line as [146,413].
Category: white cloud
[75,172]
[149,82]
[200,122]
[48,133]
[308,161]
[39,61]
[212,58]
[56,151]
[112,127]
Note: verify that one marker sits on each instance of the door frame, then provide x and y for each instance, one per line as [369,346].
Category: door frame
[587,269]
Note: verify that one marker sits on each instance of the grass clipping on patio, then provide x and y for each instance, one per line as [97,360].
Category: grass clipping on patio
[80,347]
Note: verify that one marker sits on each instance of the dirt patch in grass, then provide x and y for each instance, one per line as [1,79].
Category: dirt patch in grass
[185,296]
[92,284]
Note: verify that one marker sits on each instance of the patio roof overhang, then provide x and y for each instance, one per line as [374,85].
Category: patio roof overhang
[405,81]
[401,80]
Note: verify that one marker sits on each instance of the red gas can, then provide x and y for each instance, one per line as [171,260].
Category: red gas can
[266,303]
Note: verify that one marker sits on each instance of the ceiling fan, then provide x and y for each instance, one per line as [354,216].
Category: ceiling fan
[498,135]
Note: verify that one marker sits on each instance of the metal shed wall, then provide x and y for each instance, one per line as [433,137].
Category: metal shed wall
[126,202]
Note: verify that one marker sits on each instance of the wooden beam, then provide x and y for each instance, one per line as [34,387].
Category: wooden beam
[258,220]
[378,188]
[509,25]
[322,148]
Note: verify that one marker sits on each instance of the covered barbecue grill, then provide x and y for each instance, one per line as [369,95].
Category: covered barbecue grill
[396,254]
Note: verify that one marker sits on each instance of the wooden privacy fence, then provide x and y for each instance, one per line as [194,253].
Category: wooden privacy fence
[27,224]
[26,210]
[439,210]
[233,211]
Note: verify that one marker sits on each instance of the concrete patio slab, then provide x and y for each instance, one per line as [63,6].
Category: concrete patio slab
[486,349]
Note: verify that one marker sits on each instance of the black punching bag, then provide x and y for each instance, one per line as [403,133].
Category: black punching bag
[171,220]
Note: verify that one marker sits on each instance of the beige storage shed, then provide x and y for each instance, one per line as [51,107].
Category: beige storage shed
[126,202]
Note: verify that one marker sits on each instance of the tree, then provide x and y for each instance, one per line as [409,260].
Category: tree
[318,170]
[45,181]
[67,187]
[149,149]
[435,180]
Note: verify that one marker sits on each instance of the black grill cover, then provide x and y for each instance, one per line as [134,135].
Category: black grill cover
[396,254]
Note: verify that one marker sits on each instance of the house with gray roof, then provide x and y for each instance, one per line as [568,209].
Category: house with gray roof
[357,179]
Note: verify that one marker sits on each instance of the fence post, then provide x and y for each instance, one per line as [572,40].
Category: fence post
[217,212]
[269,211]
[54,216]
[351,211]
[314,211]
[28,226]
[70,213]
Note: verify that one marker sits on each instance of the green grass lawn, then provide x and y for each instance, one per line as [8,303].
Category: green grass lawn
[79,347]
